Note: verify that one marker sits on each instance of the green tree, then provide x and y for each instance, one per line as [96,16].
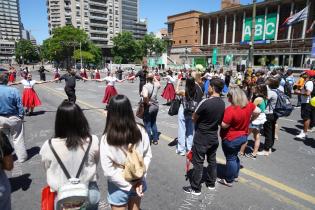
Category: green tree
[63,44]
[26,52]
[125,47]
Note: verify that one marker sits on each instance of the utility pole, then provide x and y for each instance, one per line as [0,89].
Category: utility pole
[81,56]
[252,38]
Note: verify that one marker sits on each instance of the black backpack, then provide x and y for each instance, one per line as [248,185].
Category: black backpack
[313,92]
[283,106]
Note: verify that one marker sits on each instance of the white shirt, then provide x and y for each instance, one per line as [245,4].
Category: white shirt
[71,159]
[307,87]
[170,79]
[111,80]
[208,76]
[110,155]
[27,83]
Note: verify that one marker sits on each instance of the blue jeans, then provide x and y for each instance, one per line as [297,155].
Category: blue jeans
[149,121]
[5,191]
[185,130]
[231,149]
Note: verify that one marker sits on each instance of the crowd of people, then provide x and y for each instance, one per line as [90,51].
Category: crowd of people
[124,151]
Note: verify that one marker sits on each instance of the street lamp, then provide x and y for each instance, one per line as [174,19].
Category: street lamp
[252,40]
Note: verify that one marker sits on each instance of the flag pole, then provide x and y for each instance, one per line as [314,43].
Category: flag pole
[291,48]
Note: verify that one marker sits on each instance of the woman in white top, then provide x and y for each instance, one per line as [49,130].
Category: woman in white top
[110,89]
[71,140]
[30,98]
[120,131]
[169,90]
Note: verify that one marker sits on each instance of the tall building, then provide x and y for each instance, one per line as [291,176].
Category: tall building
[10,28]
[99,18]
[130,19]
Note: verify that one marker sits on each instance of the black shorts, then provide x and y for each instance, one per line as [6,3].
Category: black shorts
[307,112]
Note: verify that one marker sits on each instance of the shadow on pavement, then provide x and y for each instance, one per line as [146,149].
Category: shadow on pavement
[292,131]
[36,113]
[220,172]
[21,182]
[32,152]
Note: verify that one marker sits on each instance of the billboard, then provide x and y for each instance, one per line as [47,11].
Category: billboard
[260,30]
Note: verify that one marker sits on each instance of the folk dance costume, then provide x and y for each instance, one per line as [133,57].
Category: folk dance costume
[169,90]
[57,75]
[97,74]
[30,98]
[110,89]
[11,77]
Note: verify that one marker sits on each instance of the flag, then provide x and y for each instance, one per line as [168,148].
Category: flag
[297,17]
[311,28]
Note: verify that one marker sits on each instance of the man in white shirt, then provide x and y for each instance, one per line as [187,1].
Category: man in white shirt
[307,111]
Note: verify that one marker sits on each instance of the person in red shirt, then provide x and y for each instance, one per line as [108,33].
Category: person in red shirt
[234,130]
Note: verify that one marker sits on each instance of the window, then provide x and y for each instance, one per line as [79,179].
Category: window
[196,32]
[186,41]
[196,41]
[180,41]
[174,42]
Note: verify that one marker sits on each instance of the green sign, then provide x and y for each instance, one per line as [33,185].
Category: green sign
[260,30]
[201,61]
[214,56]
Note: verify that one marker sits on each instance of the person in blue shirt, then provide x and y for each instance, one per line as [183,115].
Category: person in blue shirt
[11,117]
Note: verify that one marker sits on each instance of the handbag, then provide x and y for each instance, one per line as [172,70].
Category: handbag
[48,199]
[175,104]
[73,194]
[141,104]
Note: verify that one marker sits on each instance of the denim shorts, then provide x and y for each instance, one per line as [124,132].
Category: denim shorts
[119,197]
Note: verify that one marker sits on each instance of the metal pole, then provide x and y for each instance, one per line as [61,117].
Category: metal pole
[251,50]
[81,55]
[75,65]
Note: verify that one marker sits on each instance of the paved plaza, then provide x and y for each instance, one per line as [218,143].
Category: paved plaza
[284,180]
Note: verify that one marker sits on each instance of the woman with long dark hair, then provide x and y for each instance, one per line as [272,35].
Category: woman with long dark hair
[120,132]
[260,100]
[71,141]
[169,90]
[191,94]
[6,163]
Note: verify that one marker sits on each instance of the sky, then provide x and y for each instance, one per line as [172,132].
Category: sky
[34,13]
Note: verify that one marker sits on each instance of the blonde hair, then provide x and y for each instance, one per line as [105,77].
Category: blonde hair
[237,96]
[197,77]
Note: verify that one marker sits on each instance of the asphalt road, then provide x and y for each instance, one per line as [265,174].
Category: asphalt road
[284,180]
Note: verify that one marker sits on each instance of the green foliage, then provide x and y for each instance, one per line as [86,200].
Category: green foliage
[126,49]
[26,51]
[65,42]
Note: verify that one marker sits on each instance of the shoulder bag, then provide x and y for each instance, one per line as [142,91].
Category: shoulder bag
[141,104]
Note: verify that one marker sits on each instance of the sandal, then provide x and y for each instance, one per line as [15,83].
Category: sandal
[224,182]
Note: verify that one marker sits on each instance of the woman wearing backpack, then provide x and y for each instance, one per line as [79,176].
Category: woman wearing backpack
[122,133]
[71,141]
[191,95]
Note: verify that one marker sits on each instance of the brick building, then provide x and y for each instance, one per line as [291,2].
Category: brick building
[194,34]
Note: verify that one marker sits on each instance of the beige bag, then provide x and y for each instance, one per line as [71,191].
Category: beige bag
[134,168]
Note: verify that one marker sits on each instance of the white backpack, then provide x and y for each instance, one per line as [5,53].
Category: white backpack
[73,195]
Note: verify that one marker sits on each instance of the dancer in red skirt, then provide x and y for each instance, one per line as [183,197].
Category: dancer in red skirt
[30,99]
[97,74]
[169,90]
[110,89]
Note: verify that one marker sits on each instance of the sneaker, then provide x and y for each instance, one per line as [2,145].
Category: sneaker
[224,182]
[263,153]
[251,156]
[312,130]
[211,187]
[302,135]
[191,191]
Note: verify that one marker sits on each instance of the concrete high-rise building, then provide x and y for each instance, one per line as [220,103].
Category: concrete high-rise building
[130,19]
[10,28]
[99,18]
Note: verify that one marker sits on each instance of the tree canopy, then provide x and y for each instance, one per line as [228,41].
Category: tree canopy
[62,47]
[126,49]
[26,52]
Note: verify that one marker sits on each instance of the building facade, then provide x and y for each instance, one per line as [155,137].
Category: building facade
[130,19]
[10,29]
[228,32]
[99,18]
